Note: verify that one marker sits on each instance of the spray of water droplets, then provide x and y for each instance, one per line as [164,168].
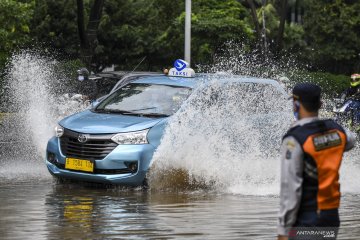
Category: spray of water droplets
[36,108]
[227,136]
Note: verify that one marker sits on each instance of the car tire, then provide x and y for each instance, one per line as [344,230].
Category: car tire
[145,184]
[60,180]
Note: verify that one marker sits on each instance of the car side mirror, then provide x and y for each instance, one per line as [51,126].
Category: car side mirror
[97,101]
[94,104]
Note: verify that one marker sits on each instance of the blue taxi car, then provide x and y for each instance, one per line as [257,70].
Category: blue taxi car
[114,141]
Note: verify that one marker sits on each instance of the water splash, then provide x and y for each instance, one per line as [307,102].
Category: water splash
[231,143]
[227,135]
[235,59]
[30,76]
[33,81]
[37,88]
[349,171]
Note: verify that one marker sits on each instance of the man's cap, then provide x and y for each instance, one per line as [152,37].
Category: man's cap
[307,92]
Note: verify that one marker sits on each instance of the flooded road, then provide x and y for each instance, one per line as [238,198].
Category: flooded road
[50,211]
[35,206]
[43,209]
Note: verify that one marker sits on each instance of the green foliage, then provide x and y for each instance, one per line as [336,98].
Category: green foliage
[332,33]
[213,24]
[54,26]
[15,19]
[331,84]
[128,32]
[131,30]
[14,28]
[294,38]
[293,34]
[272,20]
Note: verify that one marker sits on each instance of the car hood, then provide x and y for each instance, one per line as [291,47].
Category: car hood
[98,123]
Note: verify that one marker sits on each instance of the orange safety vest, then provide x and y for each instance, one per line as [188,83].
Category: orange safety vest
[323,143]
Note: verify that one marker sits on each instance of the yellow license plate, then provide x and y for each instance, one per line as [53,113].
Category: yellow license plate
[79,165]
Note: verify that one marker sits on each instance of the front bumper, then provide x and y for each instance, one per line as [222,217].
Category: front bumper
[113,169]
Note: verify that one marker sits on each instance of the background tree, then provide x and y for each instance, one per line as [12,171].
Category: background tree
[15,20]
[326,37]
[280,36]
[15,30]
[88,36]
[130,31]
[251,4]
[54,27]
[332,34]
[213,24]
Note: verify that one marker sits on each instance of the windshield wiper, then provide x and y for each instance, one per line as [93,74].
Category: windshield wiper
[102,111]
[133,110]
[124,112]
[155,114]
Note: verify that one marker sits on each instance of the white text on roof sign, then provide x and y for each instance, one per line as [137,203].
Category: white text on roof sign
[186,72]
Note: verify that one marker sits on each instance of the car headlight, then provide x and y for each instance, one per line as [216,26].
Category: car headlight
[138,137]
[59,131]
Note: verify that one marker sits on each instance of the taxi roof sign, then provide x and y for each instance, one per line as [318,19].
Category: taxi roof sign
[181,69]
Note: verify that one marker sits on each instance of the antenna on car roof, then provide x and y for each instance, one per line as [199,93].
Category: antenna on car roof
[137,65]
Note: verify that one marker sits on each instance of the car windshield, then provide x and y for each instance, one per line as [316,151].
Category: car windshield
[145,99]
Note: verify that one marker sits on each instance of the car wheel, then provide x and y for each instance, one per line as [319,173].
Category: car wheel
[145,183]
[60,180]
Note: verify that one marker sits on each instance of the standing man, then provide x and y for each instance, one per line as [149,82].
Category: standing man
[311,155]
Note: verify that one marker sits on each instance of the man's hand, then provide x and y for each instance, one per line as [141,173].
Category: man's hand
[282,237]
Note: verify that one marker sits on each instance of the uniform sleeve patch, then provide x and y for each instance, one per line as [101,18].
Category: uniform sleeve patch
[290,146]
[288,154]
[327,140]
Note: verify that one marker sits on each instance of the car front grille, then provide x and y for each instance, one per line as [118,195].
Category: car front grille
[96,147]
